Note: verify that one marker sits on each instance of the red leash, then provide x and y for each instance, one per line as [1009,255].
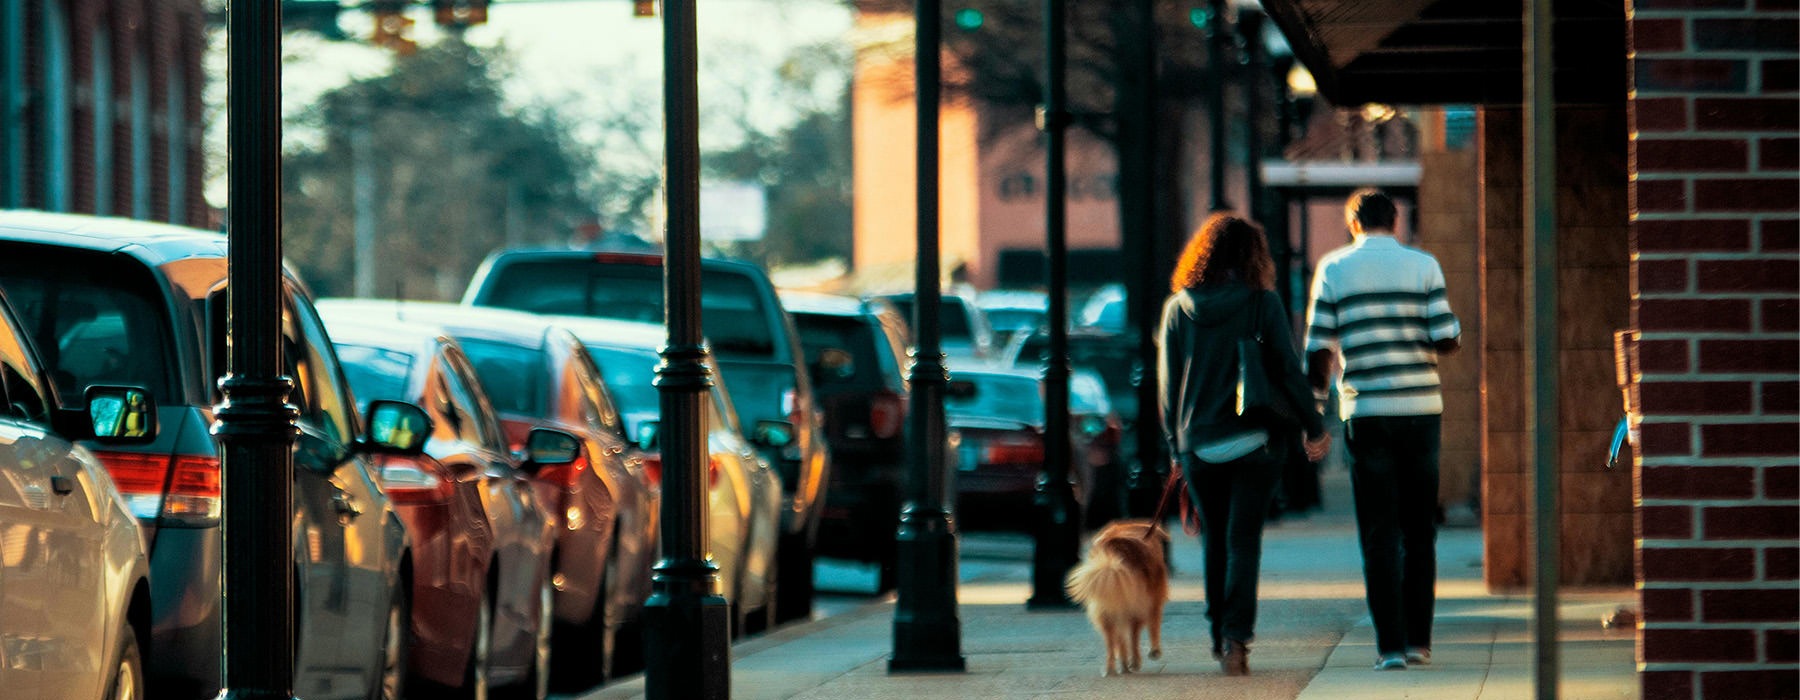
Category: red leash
[1190,523]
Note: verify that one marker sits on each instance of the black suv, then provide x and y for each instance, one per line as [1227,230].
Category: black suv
[753,343]
[854,351]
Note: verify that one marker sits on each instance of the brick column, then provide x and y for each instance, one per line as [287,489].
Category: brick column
[1715,273]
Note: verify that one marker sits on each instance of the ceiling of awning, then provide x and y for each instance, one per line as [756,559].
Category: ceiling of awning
[1450,51]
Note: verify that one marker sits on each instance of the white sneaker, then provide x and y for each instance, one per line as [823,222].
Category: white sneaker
[1391,662]
[1418,656]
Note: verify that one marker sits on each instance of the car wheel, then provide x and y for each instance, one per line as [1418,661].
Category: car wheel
[395,643]
[128,677]
[481,650]
[582,657]
[794,569]
[536,685]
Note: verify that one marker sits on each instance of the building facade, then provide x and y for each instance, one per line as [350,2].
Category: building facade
[100,107]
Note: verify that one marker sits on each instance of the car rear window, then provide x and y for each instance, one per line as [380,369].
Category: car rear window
[629,375]
[953,317]
[513,376]
[840,350]
[95,318]
[734,315]
[375,373]
[999,396]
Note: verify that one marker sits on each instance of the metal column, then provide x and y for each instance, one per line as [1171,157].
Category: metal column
[1058,522]
[1541,366]
[12,103]
[688,653]
[927,633]
[1135,28]
[255,425]
[1217,29]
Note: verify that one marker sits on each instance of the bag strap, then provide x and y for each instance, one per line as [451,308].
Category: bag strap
[1256,315]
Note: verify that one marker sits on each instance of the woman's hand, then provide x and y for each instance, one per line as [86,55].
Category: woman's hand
[1317,447]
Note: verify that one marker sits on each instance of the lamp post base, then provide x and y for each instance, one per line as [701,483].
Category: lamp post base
[927,632]
[688,637]
[1056,538]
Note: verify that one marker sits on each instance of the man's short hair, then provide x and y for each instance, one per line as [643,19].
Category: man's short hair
[1372,208]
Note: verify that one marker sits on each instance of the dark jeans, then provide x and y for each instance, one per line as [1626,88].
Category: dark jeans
[1233,500]
[1394,472]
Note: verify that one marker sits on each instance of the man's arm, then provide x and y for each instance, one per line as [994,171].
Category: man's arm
[1448,346]
[1318,370]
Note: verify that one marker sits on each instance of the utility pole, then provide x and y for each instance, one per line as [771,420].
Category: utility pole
[1135,29]
[1058,516]
[1217,33]
[1541,366]
[12,104]
[688,623]
[363,199]
[255,424]
[927,633]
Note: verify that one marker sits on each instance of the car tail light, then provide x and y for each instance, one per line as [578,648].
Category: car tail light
[887,412]
[414,483]
[627,258]
[1013,451]
[184,489]
[565,474]
[653,469]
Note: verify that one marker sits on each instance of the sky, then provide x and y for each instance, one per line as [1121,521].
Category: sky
[583,56]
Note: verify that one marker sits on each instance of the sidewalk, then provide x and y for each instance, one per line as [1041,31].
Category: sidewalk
[1314,637]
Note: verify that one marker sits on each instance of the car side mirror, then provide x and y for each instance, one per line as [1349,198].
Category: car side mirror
[960,389]
[545,447]
[121,414]
[774,434]
[398,427]
[648,433]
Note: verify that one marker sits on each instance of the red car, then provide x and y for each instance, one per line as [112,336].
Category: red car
[604,511]
[481,537]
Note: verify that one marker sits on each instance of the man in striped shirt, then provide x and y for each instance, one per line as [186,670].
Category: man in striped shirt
[1380,313]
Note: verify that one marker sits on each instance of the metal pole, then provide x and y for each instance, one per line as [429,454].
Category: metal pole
[363,199]
[12,104]
[1136,36]
[927,633]
[1058,516]
[689,648]
[1217,29]
[255,425]
[1541,337]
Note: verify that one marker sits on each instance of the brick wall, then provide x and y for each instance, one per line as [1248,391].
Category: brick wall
[169,34]
[1714,287]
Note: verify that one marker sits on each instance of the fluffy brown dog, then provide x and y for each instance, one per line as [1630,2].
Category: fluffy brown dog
[1124,584]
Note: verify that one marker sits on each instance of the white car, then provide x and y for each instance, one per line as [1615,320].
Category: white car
[74,596]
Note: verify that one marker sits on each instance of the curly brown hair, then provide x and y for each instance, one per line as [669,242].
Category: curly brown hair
[1227,247]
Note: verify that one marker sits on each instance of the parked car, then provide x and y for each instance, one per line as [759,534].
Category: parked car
[963,329]
[753,343]
[1104,310]
[1113,356]
[997,418]
[538,375]
[482,592]
[114,301]
[1012,312]
[743,494]
[74,589]
[854,349]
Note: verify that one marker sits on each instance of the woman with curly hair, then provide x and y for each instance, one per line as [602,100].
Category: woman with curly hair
[1223,292]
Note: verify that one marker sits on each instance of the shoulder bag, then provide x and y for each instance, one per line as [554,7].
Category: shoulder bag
[1257,399]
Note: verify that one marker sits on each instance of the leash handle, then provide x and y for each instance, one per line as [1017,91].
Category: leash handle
[1190,523]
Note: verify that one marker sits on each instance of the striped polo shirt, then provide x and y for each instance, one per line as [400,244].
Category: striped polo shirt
[1381,306]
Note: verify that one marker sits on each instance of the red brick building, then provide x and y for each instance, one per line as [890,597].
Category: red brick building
[1678,221]
[100,107]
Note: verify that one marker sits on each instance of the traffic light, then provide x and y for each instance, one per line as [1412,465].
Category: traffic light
[643,8]
[392,27]
[969,19]
[459,13]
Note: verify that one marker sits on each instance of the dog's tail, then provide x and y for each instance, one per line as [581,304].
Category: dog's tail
[1105,574]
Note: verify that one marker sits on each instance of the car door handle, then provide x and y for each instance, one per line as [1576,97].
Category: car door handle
[344,506]
[62,485]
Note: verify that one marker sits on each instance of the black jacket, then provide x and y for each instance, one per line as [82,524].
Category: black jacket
[1197,364]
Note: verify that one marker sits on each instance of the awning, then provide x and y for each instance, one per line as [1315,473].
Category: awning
[1450,51]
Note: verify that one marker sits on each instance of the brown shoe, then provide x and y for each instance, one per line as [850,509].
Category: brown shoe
[1236,660]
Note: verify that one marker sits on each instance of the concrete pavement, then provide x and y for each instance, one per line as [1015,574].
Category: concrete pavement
[1314,640]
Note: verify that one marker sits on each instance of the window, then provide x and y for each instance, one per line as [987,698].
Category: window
[375,374]
[21,395]
[56,118]
[103,121]
[94,319]
[140,135]
[486,423]
[459,407]
[629,375]
[512,375]
[326,402]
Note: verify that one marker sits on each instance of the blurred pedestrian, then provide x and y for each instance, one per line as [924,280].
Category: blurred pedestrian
[1223,293]
[1379,311]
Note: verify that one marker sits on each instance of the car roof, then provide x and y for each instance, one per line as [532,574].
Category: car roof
[354,328]
[609,256]
[1012,299]
[464,322]
[815,303]
[154,243]
[609,332]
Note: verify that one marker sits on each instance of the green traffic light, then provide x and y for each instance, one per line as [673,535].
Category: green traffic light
[1200,16]
[969,19]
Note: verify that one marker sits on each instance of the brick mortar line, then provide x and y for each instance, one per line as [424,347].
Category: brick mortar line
[1711,544]
[1715,176]
[1717,256]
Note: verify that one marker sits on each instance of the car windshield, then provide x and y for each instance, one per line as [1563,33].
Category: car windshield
[1015,398]
[375,373]
[1015,319]
[512,375]
[733,314]
[629,375]
[95,319]
[953,319]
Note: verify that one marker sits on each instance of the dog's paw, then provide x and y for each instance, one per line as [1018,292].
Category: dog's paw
[1155,654]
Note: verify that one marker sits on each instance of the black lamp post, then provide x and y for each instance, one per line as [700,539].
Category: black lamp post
[688,633]
[1058,516]
[927,633]
[254,423]
[1217,34]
